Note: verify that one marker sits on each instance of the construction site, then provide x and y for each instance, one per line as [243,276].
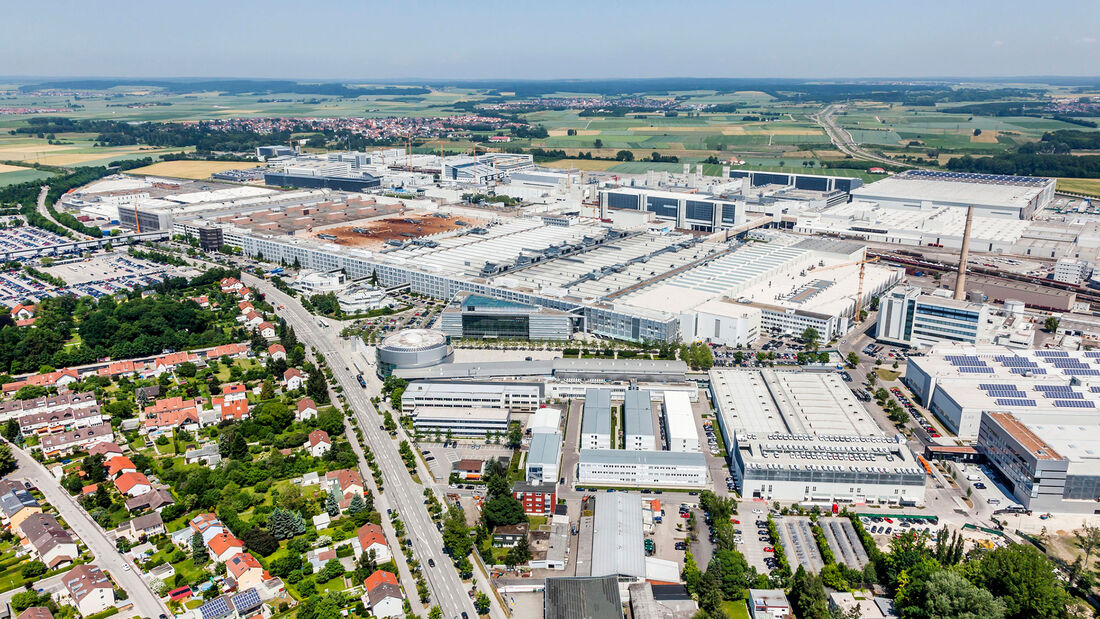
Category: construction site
[394,230]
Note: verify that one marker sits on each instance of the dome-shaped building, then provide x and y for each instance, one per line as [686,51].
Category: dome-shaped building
[413,348]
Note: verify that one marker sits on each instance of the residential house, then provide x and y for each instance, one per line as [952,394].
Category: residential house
[276,352]
[224,546]
[89,589]
[538,499]
[59,378]
[318,443]
[307,409]
[133,484]
[231,284]
[232,392]
[253,319]
[208,454]
[346,482]
[383,595]
[68,442]
[769,604]
[469,468]
[234,351]
[244,306]
[122,368]
[118,465]
[231,409]
[22,312]
[16,504]
[165,423]
[154,499]
[267,330]
[35,612]
[293,378]
[208,525]
[59,420]
[47,540]
[147,526]
[246,571]
[17,408]
[371,538]
[169,362]
[318,558]
[507,536]
[107,449]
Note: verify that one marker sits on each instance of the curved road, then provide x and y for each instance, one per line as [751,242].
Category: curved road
[843,140]
[107,557]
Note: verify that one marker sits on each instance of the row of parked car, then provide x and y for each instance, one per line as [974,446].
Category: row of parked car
[915,412]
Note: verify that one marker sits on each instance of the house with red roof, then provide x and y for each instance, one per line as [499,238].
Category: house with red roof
[108,450]
[133,484]
[346,481]
[246,571]
[122,368]
[22,312]
[162,423]
[252,319]
[382,595]
[119,465]
[371,538]
[236,351]
[318,443]
[169,362]
[234,410]
[234,391]
[224,546]
[245,292]
[276,351]
[231,284]
[293,378]
[307,409]
[267,330]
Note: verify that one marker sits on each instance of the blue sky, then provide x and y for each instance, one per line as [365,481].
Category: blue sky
[548,39]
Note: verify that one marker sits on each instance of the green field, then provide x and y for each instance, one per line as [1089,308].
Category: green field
[22,176]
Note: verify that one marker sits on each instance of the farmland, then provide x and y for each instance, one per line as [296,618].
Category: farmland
[197,170]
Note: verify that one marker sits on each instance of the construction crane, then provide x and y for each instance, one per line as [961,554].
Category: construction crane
[863,262]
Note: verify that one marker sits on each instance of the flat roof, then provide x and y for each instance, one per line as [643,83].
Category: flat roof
[1036,447]
[582,598]
[679,418]
[635,457]
[448,413]
[638,413]
[963,191]
[596,418]
[617,547]
[545,448]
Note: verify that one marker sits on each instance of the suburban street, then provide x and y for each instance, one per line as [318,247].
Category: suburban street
[107,557]
[402,494]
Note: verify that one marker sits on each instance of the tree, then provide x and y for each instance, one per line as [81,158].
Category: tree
[33,569]
[519,554]
[807,596]
[944,594]
[187,369]
[456,535]
[1024,579]
[624,155]
[11,430]
[332,504]
[260,541]
[853,359]
[317,386]
[692,576]
[598,143]
[810,338]
[94,471]
[435,613]
[1088,539]
[481,603]
[267,392]
[199,554]
[7,461]
[1051,324]
[515,435]
[356,505]
[730,570]
[503,510]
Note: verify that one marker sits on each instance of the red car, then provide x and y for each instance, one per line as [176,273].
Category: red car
[769,549]
[889,520]
[685,514]
[734,521]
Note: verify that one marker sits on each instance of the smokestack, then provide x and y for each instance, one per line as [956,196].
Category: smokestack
[960,283]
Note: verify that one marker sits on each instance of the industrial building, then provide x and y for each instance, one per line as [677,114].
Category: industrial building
[480,317]
[1072,271]
[516,397]
[994,195]
[809,182]
[596,420]
[804,437]
[641,469]
[638,421]
[485,168]
[687,211]
[680,429]
[909,317]
[460,422]
[960,383]
[413,348]
[543,458]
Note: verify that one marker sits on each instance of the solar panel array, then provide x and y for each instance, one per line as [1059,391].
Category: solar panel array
[246,601]
[216,608]
[1051,353]
[969,177]
[975,369]
[1014,402]
[964,360]
[1074,403]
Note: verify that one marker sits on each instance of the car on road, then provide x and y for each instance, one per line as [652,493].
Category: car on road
[979,486]
[431,562]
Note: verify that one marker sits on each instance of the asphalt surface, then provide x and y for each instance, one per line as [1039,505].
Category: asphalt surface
[843,140]
[107,557]
[401,493]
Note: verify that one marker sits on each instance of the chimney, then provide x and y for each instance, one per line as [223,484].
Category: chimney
[960,283]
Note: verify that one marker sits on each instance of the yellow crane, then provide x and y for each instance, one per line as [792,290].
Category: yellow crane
[862,262]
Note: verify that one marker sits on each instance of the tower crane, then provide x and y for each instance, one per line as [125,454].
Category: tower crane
[862,262]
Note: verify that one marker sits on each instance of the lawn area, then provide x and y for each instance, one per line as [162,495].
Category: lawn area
[1086,186]
[735,610]
[887,375]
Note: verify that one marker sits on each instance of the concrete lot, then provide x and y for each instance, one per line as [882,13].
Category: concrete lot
[752,547]
[445,457]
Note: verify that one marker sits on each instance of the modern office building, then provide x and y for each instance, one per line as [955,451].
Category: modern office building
[1072,271]
[808,182]
[476,316]
[460,421]
[516,397]
[638,421]
[994,195]
[909,317]
[543,458]
[680,430]
[596,420]
[485,167]
[314,179]
[687,211]
[413,348]
[263,153]
[642,469]
[804,437]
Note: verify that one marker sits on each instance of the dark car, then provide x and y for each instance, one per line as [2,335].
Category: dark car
[431,562]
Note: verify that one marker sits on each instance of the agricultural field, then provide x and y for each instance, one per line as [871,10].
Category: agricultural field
[70,150]
[195,170]
[11,174]
[1085,186]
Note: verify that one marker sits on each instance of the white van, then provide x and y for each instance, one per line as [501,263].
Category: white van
[973,477]
[993,501]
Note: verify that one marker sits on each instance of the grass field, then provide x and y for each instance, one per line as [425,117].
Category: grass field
[1086,186]
[736,610]
[21,175]
[197,170]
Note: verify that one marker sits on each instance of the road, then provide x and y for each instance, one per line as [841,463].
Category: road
[45,212]
[107,557]
[402,493]
[843,140]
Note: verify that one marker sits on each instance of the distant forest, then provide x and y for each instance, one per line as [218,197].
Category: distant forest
[233,87]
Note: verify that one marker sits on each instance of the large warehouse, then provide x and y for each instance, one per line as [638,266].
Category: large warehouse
[804,437]
[993,195]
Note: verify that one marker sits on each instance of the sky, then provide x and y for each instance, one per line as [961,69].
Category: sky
[487,39]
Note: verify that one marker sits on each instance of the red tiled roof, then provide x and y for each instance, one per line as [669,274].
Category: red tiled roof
[379,577]
[127,481]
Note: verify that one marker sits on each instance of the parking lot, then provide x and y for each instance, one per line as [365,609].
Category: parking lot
[98,276]
[753,517]
[28,237]
[798,542]
[883,528]
[843,541]
[440,459]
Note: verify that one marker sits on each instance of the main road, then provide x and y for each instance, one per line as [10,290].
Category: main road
[107,557]
[843,140]
[402,493]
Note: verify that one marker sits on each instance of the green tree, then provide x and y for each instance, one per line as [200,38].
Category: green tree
[435,613]
[7,461]
[624,155]
[1088,540]
[199,554]
[691,574]
[260,541]
[503,510]
[853,359]
[267,392]
[807,596]
[944,594]
[515,435]
[519,554]
[481,603]
[1024,579]
[32,569]
[317,387]
[1051,324]
[730,571]
[810,338]
[356,505]
[332,504]
[11,430]
[93,467]
[456,535]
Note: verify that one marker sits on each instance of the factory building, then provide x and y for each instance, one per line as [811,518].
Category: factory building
[808,182]
[687,211]
[263,153]
[486,167]
[596,420]
[642,469]
[991,195]
[413,348]
[453,421]
[680,429]
[1072,271]
[543,458]
[476,316]
[353,182]
[804,437]
[502,396]
[638,421]
[909,317]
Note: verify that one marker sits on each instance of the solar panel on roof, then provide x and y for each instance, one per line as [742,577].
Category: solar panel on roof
[246,600]
[1051,353]
[1072,372]
[1074,403]
[1014,402]
[995,386]
[971,369]
[1069,395]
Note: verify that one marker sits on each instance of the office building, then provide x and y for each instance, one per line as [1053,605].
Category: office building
[476,316]
[1072,271]
[263,153]
[686,211]
[543,458]
[413,348]
[804,437]
[638,421]
[459,422]
[485,167]
[680,430]
[596,420]
[537,499]
[504,396]
[806,182]
[909,317]
[993,195]
[642,469]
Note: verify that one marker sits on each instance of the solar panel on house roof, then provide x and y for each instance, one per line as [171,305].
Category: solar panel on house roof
[246,601]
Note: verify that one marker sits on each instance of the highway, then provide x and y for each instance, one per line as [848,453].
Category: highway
[45,212]
[843,140]
[107,557]
[401,494]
